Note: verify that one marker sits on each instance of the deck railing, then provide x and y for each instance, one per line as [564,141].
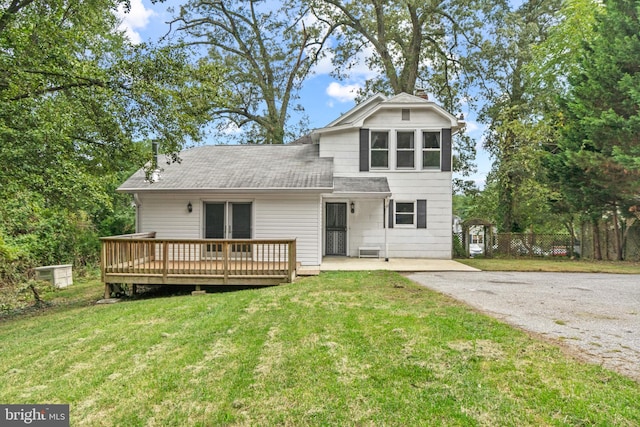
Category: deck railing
[143,259]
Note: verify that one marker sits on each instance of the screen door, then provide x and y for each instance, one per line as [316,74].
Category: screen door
[336,229]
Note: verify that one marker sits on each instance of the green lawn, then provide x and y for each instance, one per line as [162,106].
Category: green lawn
[361,348]
[552,265]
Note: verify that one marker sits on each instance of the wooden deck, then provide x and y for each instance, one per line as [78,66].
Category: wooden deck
[143,259]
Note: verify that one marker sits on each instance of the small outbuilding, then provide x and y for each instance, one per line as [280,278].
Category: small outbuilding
[60,276]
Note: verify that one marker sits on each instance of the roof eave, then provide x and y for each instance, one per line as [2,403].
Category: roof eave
[358,122]
[225,190]
[378,97]
[361,194]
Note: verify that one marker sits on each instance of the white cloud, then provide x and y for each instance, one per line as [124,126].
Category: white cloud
[343,93]
[360,68]
[472,126]
[325,64]
[357,70]
[229,128]
[136,19]
[358,73]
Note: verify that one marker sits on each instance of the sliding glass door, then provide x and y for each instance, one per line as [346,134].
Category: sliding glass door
[228,220]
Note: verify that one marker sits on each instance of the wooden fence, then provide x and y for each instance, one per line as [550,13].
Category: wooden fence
[521,245]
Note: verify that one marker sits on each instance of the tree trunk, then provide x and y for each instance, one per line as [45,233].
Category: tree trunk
[606,256]
[597,251]
[616,234]
[625,234]
[572,232]
[36,295]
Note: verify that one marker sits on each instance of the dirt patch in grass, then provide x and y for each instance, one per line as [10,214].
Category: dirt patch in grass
[478,348]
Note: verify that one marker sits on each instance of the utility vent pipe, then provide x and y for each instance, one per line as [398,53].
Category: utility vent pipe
[154,149]
[155,175]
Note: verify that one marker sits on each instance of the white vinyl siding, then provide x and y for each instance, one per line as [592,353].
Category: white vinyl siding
[435,241]
[392,118]
[299,215]
[344,148]
[366,226]
[168,216]
[283,217]
[275,216]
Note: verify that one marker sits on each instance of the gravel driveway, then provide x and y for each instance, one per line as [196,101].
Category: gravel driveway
[596,314]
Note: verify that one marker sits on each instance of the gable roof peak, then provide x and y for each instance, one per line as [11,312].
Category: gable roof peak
[406,98]
[356,117]
[365,105]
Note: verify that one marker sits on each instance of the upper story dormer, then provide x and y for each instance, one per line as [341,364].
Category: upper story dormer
[399,134]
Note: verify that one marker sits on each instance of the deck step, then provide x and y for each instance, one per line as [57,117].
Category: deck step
[303,271]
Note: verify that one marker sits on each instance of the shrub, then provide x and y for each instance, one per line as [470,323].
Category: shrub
[32,235]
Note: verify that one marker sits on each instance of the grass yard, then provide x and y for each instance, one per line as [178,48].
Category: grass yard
[554,265]
[357,348]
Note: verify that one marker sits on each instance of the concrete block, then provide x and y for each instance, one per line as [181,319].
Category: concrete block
[60,276]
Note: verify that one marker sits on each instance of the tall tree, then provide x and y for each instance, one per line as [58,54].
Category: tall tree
[518,129]
[596,163]
[268,50]
[558,54]
[72,85]
[78,101]
[413,44]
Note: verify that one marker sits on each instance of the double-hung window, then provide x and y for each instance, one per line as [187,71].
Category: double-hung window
[405,150]
[405,213]
[431,150]
[380,150]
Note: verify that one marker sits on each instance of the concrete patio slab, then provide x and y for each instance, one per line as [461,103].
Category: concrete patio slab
[394,264]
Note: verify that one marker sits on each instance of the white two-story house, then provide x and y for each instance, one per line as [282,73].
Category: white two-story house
[375,182]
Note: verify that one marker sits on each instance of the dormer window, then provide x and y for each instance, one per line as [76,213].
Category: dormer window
[380,150]
[431,150]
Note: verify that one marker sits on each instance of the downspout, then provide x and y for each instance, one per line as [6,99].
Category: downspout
[136,201]
[386,226]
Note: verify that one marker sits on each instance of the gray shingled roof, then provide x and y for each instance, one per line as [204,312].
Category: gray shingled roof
[240,167]
[361,185]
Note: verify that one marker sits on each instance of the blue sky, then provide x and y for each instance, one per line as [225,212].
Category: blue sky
[322,97]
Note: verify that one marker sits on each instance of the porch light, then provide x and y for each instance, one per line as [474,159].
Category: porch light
[189,207]
[353,207]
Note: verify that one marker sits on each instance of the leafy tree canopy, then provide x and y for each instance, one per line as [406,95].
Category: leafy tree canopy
[595,163]
[600,145]
[79,104]
[268,49]
[518,128]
